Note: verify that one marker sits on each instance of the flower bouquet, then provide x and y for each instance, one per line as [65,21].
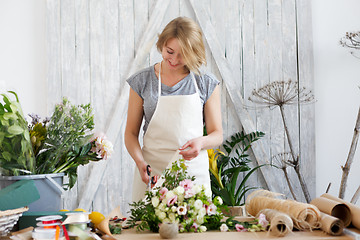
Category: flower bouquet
[58,144]
[179,200]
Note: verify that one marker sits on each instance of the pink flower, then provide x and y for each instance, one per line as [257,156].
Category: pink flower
[172,201]
[186,184]
[240,228]
[211,210]
[102,147]
[189,193]
[195,226]
[163,192]
[262,220]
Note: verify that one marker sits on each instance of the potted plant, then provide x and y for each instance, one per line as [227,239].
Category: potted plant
[53,147]
[225,169]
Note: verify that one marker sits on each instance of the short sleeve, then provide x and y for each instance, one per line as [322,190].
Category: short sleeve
[136,82]
[210,82]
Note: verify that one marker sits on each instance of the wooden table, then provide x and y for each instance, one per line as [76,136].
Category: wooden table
[131,234]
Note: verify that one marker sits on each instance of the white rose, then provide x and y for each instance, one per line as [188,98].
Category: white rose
[202,212]
[198,204]
[202,229]
[155,201]
[208,192]
[162,206]
[200,219]
[173,209]
[219,200]
[180,198]
[166,220]
[179,190]
[224,227]
[196,189]
[172,217]
[162,216]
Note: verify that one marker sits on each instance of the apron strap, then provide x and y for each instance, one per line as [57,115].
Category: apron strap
[159,87]
[195,83]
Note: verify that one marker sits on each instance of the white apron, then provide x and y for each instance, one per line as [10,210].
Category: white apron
[176,120]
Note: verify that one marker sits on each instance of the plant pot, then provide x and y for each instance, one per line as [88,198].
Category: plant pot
[236,211]
[49,187]
[169,230]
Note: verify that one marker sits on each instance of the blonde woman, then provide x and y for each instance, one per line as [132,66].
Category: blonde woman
[175,100]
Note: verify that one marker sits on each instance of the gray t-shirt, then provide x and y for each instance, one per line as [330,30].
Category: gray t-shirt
[145,84]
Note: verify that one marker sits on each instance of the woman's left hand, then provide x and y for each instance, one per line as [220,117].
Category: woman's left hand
[191,148]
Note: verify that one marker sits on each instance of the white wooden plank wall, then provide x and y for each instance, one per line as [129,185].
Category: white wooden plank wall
[91,46]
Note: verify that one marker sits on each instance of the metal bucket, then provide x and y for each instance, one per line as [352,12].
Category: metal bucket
[49,187]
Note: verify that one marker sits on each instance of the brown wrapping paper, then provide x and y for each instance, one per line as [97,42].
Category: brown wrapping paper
[333,208]
[331,225]
[304,216]
[103,226]
[280,223]
[355,210]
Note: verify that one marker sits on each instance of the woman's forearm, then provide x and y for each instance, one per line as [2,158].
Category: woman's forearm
[133,146]
[213,139]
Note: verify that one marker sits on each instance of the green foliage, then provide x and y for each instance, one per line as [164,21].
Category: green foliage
[61,143]
[176,174]
[145,213]
[115,229]
[67,142]
[156,208]
[231,165]
[16,154]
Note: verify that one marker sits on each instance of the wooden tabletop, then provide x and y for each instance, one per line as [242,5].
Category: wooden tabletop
[131,234]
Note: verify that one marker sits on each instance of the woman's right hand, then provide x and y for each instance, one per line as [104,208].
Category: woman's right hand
[143,171]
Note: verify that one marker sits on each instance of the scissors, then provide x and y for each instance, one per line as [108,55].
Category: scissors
[152,180]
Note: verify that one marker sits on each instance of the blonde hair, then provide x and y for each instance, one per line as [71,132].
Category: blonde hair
[189,35]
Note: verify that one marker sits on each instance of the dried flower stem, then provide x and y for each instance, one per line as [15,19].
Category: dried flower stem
[350,158]
[295,162]
[282,93]
[356,196]
[281,162]
[289,184]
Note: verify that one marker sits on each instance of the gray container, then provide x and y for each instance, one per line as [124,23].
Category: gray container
[49,187]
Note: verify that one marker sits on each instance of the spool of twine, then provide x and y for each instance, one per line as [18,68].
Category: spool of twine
[304,216]
[280,223]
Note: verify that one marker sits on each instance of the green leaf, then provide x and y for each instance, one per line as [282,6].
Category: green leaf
[226,197]
[2,110]
[4,122]
[6,156]
[15,130]
[243,182]
[9,115]
[16,96]
[6,99]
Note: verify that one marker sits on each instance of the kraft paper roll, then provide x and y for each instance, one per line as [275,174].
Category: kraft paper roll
[331,225]
[304,216]
[103,226]
[280,223]
[355,210]
[333,208]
